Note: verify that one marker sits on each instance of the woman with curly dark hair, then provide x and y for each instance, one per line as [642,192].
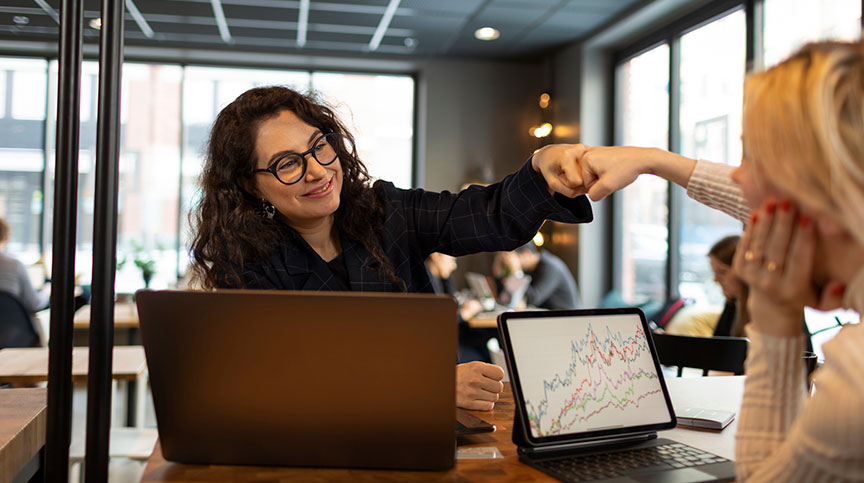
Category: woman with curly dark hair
[288,205]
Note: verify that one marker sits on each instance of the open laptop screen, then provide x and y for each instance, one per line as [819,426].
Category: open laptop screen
[585,373]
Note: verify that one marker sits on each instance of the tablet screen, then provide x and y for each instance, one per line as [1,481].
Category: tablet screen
[586,373]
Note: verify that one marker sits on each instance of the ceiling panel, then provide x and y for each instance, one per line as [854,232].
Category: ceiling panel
[440,28]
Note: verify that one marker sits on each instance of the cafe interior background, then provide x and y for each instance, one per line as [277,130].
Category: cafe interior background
[438,94]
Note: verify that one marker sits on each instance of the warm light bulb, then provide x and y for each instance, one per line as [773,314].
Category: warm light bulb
[544,100]
[543,130]
[486,33]
[538,239]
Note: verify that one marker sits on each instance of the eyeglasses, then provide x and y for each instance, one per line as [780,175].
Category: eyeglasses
[291,167]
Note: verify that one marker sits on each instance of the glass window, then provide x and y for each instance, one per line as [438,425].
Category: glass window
[22,155]
[166,112]
[642,85]
[149,175]
[789,24]
[379,111]
[710,126]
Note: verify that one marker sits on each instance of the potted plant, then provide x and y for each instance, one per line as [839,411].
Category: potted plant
[143,261]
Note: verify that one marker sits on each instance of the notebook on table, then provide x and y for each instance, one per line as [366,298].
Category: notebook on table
[325,379]
[590,398]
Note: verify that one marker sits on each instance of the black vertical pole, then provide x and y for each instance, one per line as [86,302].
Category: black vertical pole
[104,242]
[59,421]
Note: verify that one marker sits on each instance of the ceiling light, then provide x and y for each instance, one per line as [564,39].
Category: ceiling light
[410,42]
[486,33]
[20,20]
[96,23]
[383,25]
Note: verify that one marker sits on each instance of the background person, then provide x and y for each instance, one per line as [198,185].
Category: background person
[735,315]
[15,280]
[287,205]
[552,285]
[803,172]
[472,342]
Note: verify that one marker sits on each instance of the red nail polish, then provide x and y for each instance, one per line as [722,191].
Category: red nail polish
[753,218]
[771,207]
[803,220]
[838,290]
[785,205]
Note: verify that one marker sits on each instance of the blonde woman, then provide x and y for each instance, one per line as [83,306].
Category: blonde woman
[803,174]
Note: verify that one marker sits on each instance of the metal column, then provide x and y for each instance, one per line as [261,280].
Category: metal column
[59,421]
[104,242]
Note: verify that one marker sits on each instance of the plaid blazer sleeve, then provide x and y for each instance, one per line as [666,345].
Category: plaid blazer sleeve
[497,217]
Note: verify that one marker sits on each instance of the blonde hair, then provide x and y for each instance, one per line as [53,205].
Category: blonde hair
[804,129]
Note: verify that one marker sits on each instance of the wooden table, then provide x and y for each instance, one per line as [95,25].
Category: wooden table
[484,320]
[126,326]
[30,366]
[125,316]
[713,392]
[22,433]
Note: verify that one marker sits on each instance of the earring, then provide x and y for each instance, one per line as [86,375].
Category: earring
[266,209]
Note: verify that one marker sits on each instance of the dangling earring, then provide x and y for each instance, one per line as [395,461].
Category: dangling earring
[266,209]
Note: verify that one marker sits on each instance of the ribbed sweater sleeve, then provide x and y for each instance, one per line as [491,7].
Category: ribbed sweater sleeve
[711,185]
[784,436]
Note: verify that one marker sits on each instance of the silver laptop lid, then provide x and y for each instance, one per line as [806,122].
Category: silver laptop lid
[584,374]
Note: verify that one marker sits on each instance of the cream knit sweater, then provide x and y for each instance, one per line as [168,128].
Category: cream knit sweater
[783,436]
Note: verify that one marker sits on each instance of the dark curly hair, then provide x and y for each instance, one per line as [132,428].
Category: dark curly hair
[228,231]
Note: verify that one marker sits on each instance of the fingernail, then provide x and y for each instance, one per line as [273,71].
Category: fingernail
[771,207]
[803,220]
[838,290]
[785,205]
[753,218]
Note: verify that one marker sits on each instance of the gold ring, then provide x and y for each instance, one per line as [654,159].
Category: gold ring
[771,267]
[749,255]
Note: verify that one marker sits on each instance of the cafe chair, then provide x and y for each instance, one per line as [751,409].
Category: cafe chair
[16,325]
[725,354]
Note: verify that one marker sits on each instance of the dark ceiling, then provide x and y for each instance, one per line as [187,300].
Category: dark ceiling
[416,28]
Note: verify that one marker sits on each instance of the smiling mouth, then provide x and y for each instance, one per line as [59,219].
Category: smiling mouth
[322,190]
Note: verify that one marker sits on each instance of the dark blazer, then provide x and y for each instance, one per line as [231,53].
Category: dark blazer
[501,216]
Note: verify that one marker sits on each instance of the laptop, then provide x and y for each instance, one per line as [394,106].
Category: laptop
[590,398]
[483,288]
[284,378]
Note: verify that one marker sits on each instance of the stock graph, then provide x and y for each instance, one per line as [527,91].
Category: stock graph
[587,374]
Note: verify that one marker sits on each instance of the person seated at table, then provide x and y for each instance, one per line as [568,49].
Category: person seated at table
[552,285]
[287,204]
[802,173]
[14,278]
[734,316]
[472,343]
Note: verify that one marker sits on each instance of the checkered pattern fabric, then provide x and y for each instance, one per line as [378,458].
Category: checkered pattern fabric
[501,216]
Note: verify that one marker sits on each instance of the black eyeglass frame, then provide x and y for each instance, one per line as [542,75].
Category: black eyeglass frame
[330,136]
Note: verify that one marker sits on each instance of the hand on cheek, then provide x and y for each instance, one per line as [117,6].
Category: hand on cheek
[775,258]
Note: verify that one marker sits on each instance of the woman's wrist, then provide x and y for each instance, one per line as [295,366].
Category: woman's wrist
[775,319]
[670,166]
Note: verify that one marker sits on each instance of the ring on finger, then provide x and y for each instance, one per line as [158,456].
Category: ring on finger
[771,266]
[749,256]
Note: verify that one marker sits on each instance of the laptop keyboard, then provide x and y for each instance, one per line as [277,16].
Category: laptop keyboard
[608,465]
